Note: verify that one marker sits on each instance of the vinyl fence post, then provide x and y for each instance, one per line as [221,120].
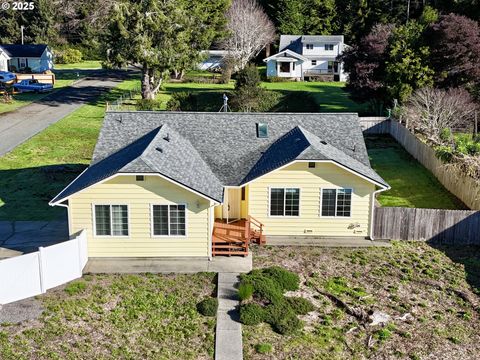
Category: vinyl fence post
[41,269]
[79,246]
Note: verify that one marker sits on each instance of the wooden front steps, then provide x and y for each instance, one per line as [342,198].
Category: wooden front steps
[235,238]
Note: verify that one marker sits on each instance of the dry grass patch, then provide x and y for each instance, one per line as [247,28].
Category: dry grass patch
[426,303]
[118,317]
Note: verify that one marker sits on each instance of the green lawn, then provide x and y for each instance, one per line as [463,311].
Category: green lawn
[34,172]
[118,317]
[331,96]
[412,184]
[84,65]
[419,287]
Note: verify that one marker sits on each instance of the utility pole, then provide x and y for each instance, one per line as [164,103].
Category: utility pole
[21,29]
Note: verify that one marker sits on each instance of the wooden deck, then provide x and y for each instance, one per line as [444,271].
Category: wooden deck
[235,238]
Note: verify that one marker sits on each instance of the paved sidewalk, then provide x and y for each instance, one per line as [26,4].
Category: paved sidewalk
[228,337]
[18,237]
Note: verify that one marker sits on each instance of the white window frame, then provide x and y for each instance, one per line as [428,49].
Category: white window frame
[309,46]
[94,220]
[329,45]
[336,199]
[314,62]
[152,234]
[284,201]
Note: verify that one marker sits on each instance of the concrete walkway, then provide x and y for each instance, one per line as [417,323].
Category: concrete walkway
[324,242]
[228,336]
[19,237]
[21,124]
[219,264]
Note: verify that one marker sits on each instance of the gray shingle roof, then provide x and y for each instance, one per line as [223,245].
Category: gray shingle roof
[294,42]
[207,151]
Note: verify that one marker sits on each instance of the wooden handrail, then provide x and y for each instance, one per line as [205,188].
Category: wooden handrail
[255,222]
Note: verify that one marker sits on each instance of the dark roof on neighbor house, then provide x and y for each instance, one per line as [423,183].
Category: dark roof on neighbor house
[207,151]
[294,42]
[27,50]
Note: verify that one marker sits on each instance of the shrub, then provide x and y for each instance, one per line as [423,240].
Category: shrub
[75,287]
[68,56]
[277,79]
[264,348]
[267,289]
[288,325]
[444,153]
[208,306]
[300,306]
[245,291]
[252,314]
[276,312]
[182,101]
[147,105]
[287,280]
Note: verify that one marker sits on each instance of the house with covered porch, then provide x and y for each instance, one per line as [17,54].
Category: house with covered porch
[305,57]
[184,184]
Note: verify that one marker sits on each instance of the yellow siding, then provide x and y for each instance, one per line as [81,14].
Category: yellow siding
[139,196]
[310,181]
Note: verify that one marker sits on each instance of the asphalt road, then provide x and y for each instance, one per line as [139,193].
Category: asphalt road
[18,126]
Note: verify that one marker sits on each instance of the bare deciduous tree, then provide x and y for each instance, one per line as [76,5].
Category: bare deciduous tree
[249,31]
[429,111]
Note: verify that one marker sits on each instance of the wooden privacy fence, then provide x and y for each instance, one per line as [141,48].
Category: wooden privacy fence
[463,187]
[453,227]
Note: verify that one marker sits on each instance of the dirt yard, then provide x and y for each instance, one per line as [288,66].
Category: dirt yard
[425,300]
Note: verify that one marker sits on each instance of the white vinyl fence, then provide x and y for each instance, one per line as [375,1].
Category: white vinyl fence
[33,274]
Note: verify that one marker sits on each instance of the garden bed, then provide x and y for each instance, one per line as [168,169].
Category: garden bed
[419,288]
[118,316]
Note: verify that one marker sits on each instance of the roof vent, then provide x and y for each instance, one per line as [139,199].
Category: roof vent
[167,137]
[323,142]
[262,130]
[120,120]
[354,147]
[159,149]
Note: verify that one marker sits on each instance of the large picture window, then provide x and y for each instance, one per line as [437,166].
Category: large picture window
[336,202]
[111,220]
[284,202]
[168,220]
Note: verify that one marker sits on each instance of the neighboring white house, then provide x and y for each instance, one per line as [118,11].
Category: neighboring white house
[37,57]
[213,60]
[308,56]
[4,60]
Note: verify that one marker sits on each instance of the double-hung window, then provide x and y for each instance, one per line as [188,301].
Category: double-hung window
[284,202]
[111,220]
[336,202]
[168,220]
[309,46]
[328,47]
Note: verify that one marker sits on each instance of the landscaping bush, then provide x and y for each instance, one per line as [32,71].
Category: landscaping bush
[266,288]
[287,280]
[208,306]
[276,312]
[300,306]
[252,314]
[147,105]
[68,56]
[264,348]
[182,101]
[287,325]
[278,79]
[245,291]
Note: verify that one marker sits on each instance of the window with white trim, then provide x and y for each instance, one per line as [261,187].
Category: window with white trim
[328,47]
[336,202]
[284,202]
[309,46]
[111,220]
[168,220]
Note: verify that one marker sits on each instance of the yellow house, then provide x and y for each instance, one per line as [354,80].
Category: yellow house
[174,184]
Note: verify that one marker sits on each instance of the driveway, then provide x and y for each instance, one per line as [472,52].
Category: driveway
[18,237]
[20,125]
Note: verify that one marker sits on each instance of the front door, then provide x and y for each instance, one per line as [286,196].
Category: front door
[231,206]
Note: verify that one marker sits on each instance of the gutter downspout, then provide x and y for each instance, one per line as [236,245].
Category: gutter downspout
[372,206]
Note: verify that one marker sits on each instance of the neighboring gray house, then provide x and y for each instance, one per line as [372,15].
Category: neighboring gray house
[303,57]
[37,57]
